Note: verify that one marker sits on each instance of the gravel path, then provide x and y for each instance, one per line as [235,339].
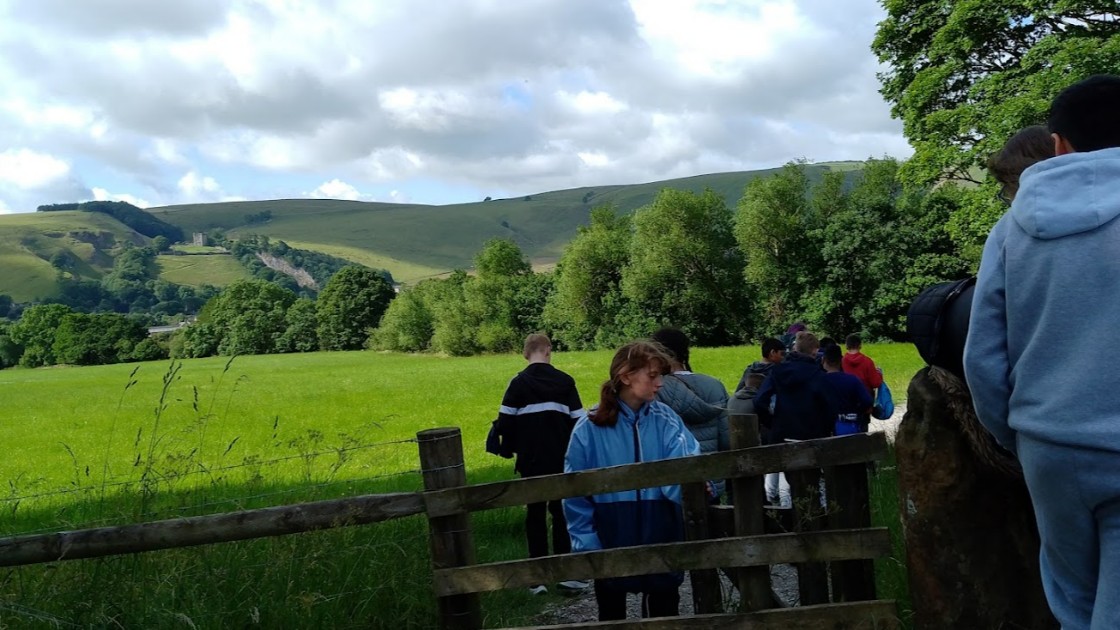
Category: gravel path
[581,608]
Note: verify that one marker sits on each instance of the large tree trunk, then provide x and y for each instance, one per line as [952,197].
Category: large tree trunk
[971,539]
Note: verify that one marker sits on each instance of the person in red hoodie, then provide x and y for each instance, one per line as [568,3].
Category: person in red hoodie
[855,362]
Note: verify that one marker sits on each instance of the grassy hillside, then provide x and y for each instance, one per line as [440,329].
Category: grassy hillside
[27,242]
[416,241]
[197,270]
[411,241]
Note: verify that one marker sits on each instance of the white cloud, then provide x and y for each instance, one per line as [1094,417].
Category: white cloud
[594,158]
[336,189]
[100,194]
[24,168]
[591,103]
[522,97]
[4,207]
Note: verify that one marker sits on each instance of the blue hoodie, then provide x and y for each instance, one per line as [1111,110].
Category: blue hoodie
[1047,304]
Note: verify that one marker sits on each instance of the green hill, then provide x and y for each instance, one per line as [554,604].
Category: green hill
[28,241]
[415,241]
[412,241]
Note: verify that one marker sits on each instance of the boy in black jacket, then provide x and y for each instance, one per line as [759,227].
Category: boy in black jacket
[535,421]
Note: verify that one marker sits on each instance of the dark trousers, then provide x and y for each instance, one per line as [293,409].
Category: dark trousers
[612,603]
[536,529]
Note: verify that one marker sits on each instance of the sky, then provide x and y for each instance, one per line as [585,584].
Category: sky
[443,101]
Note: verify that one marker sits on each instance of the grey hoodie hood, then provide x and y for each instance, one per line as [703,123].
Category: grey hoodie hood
[1069,194]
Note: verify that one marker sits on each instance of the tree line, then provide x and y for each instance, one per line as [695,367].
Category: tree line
[842,256]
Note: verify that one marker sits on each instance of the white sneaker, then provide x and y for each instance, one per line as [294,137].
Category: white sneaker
[539,589]
[574,585]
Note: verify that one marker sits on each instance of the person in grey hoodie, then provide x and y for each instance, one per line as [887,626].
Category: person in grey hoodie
[1043,382]
[700,400]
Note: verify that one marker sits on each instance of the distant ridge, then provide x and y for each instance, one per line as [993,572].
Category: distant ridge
[411,241]
[414,241]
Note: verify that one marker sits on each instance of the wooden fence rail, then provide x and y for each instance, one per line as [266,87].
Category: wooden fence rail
[842,537]
[743,551]
[207,530]
[826,452]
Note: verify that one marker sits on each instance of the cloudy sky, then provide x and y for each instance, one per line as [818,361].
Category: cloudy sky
[442,101]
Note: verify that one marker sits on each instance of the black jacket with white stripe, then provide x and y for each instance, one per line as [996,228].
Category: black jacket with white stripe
[535,421]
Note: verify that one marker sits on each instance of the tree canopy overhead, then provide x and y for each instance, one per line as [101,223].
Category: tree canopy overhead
[964,75]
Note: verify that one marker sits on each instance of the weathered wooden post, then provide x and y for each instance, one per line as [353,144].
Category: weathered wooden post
[707,596]
[853,580]
[449,537]
[808,516]
[748,494]
[971,541]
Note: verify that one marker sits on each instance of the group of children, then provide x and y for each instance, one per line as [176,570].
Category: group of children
[653,407]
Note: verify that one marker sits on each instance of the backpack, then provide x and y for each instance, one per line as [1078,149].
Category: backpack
[937,323]
[883,408]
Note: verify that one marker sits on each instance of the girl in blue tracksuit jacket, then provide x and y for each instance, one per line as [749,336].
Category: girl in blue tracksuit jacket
[630,426]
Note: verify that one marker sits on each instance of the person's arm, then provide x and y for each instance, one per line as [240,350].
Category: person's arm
[762,400]
[579,512]
[575,405]
[506,425]
[874,375]
[865,401]
[987,362]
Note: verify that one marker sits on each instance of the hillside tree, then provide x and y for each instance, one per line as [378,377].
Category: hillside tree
[350,306]
[35,332]
[584,307]
[964,76]
[685,268]
[247,317]
[772,226]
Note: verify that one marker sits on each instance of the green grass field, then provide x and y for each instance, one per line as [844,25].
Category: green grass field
[197,270]
[103,445]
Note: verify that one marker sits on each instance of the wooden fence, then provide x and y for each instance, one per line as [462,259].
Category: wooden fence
[839,595]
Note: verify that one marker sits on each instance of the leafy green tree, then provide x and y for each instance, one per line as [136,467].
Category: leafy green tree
[408,324]
[773,223]
[301,334]
[453,330]
[582,310]
[149,350]
[686,269]
[161,243]
[247,317]
[504,278]
[964,76]
[198,340]
[859,250]
[5,305]
[350,306]
[500,257]
[35,331]
[98,339]
[10,351]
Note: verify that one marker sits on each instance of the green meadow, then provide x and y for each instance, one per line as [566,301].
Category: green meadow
[199,269]
[118,444]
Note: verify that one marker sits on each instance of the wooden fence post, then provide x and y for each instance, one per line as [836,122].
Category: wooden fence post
[748,494]
[449,537]
[852,580]
[808,515]
[707,596]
